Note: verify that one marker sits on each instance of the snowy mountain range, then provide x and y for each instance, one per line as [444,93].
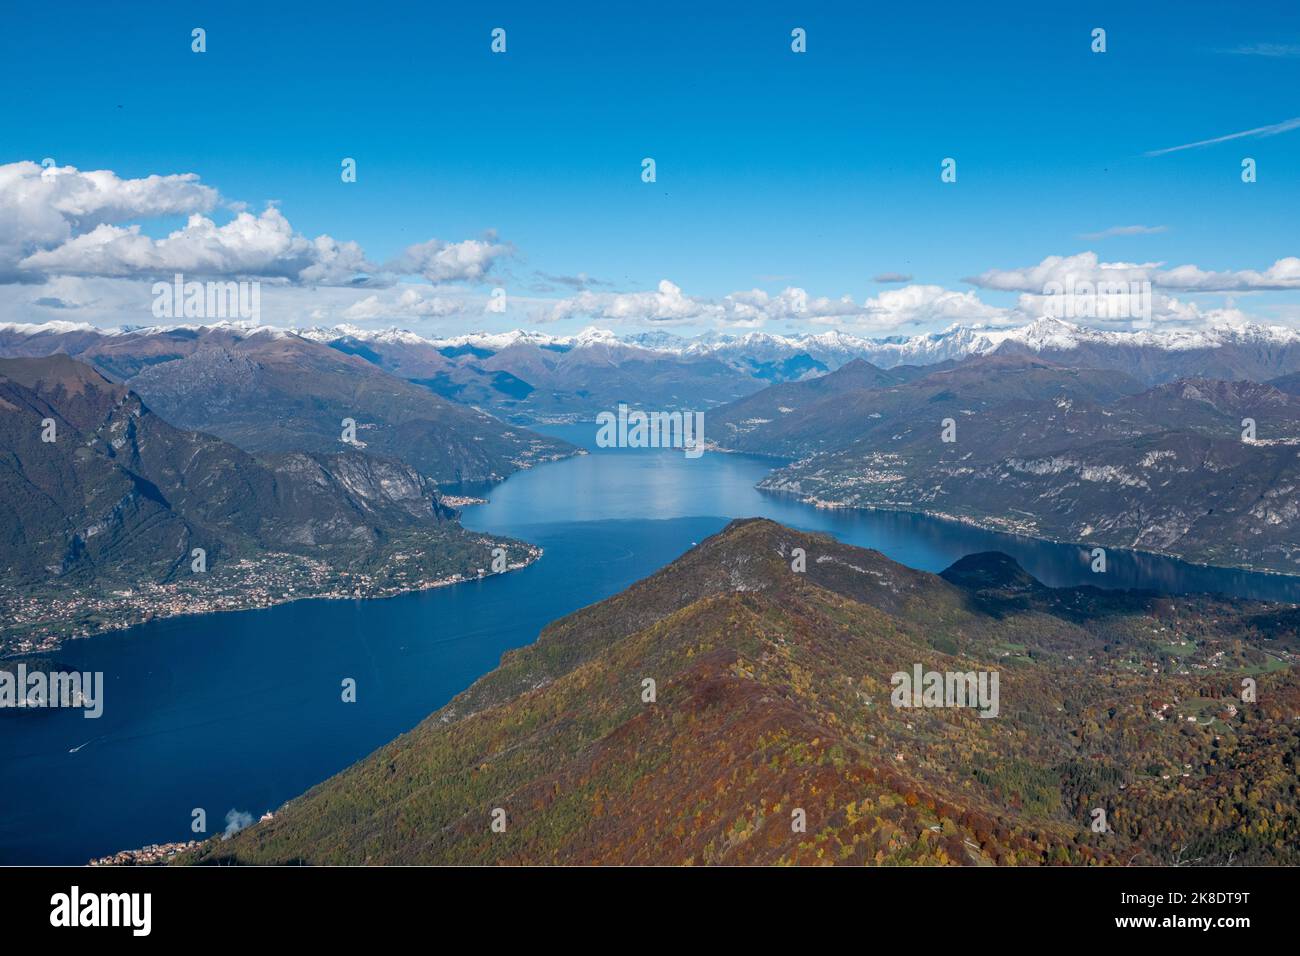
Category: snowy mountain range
[955,342]
[535,375]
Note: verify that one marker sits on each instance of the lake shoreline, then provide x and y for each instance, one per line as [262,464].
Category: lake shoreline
[992,527]
[243,711]
[534,554]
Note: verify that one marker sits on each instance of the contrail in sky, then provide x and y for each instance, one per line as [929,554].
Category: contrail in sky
[1273,130]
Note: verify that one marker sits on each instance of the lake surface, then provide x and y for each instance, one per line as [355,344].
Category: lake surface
[242,711]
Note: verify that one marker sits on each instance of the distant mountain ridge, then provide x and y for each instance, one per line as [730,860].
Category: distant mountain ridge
[530,376]
[269,391]
[957,341]
[1036,448]
[858,400]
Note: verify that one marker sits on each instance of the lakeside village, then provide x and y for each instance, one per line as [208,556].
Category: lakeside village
[156,854]
[152,855]
[38,621]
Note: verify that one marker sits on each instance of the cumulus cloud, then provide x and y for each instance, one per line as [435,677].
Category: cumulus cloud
[928,304]
[78,242]
[43,208]
[892,309]
[1121,307]
[1283,274]
[262,246]
[755,307]
[63,222]
[410,303]
[667,304]
[440,261]
[1086,267]
[915,306]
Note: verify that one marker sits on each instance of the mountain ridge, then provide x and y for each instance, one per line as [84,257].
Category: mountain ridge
[1196,468]
[120,515]
[530,377]
[268,391]
[773,700]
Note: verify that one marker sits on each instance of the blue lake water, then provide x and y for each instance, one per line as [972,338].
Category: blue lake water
[242,711]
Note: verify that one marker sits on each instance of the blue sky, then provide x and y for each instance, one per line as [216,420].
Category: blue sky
[774,169]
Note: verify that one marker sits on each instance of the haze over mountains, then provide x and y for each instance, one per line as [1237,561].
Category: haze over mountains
[773,698]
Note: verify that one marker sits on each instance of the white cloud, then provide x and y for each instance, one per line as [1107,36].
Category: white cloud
[1124,231]
[439,261]
[1123,307]
[262,246]
[44,208]
[1063,269]
[1283,274]
[928,304]
[111,302]
[1086,267]
[665,305]
[61,221]
[72,245]
[892,309]
[756,306]
[410,303]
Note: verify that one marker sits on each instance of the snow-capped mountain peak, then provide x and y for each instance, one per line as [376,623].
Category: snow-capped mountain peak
[745,352]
